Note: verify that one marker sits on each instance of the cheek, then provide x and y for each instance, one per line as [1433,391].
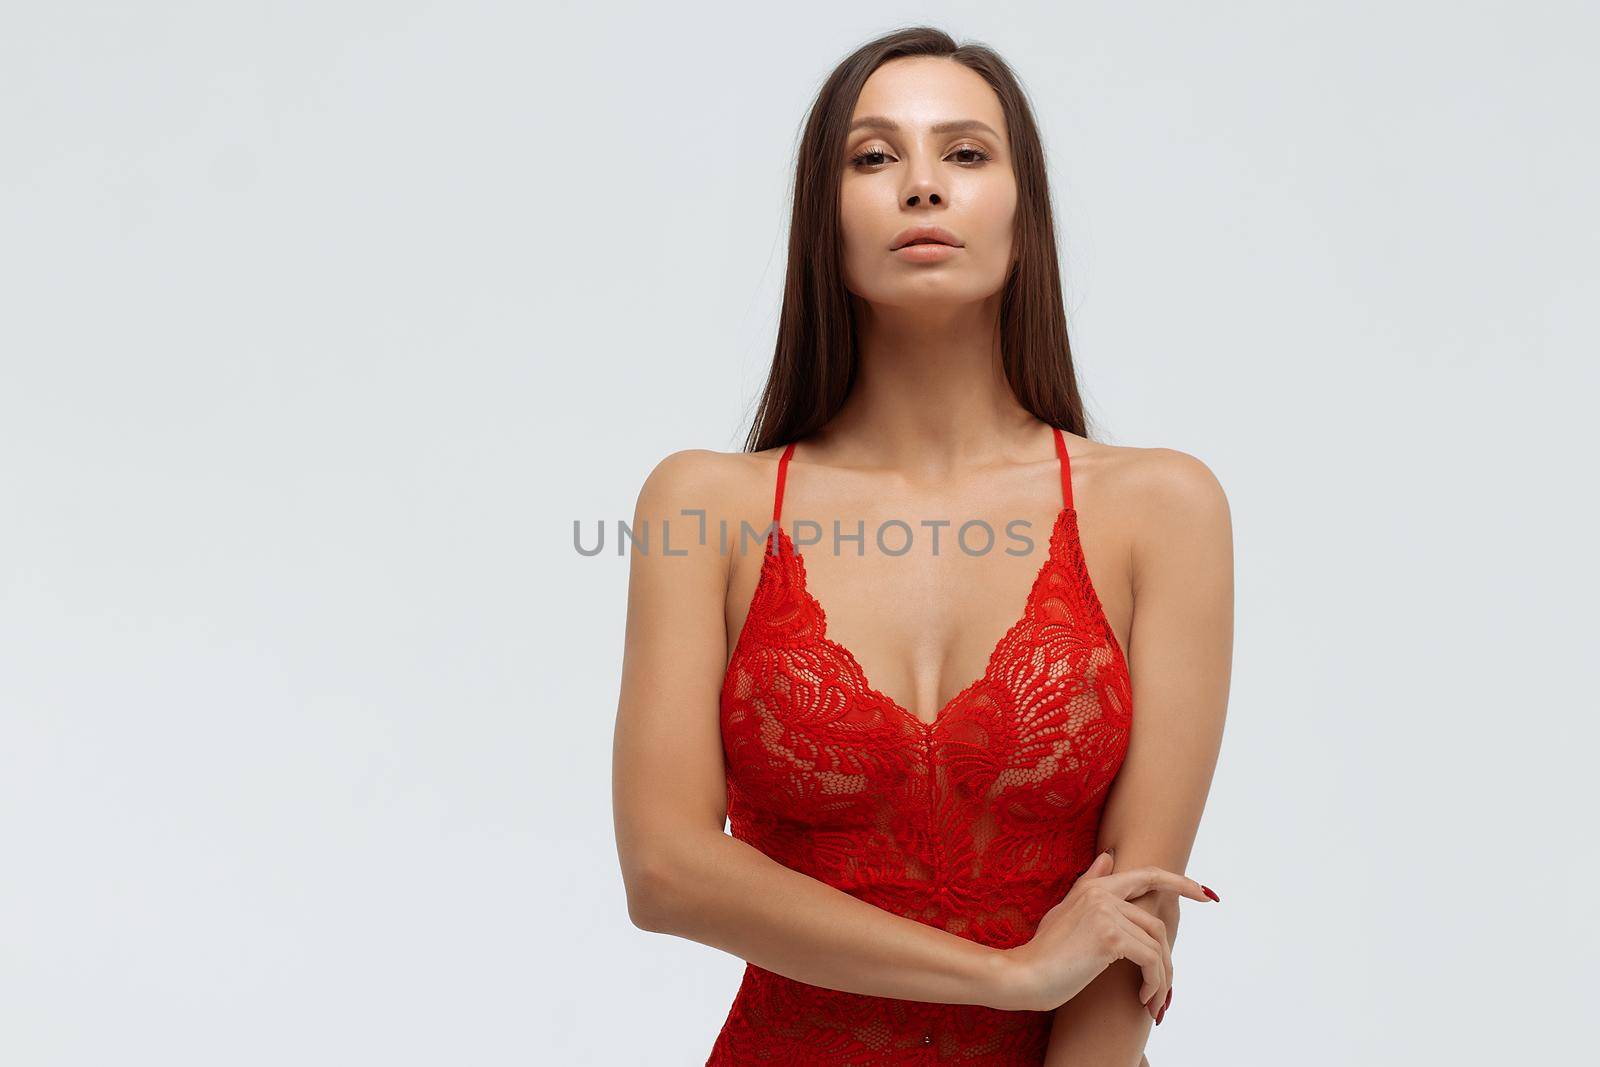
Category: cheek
[1000,219]
[860,223]
[855,219]
[995,234]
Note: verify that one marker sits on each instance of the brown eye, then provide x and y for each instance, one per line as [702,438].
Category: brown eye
[866,158]
[980,153]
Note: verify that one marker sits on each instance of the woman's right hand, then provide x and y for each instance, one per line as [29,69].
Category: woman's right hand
[1092,927]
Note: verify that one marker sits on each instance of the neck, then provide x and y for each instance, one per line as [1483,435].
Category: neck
[930,394]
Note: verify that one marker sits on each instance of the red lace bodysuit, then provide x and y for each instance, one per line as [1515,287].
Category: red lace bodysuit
[977,823]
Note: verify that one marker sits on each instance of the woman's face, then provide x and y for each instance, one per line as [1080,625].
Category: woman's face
[927,147]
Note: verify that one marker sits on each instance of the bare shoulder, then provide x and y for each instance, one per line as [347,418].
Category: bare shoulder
[1171,497]
[699,485]
[689,478]
[1171,481]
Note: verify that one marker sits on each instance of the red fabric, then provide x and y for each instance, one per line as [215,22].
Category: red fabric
[977,823]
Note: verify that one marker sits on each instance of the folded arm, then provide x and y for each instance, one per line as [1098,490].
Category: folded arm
[1180,653]
[683,875]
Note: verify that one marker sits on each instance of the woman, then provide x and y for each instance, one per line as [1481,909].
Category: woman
[925,782]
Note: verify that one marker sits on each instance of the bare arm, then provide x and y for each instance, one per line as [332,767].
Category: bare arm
[1180,654]
[683,874]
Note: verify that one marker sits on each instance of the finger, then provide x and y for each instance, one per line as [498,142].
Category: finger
[1157,930]
[1137,881]
[1140,948]
[1101,866]
[1151,927]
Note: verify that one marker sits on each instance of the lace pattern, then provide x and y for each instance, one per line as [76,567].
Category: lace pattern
[977,822]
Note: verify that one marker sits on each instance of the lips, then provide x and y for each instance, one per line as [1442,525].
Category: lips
[925,235]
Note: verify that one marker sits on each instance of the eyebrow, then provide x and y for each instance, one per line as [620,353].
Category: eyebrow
[879,122]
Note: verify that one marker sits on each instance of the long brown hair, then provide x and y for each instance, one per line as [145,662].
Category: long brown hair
[814,365]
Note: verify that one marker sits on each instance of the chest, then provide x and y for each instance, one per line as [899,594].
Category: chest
[1036,735]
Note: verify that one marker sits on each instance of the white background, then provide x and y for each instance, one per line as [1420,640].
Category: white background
[323,322]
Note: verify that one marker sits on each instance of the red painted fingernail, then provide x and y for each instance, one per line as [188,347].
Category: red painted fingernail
[1168,1003]
[1211,894]
[1162,1014]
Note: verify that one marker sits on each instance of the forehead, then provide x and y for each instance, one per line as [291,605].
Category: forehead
[919,91]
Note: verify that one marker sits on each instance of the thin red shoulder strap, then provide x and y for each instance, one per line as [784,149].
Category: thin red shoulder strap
[783,473]
[1066,469]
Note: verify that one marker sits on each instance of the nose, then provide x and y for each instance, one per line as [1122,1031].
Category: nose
[921,185]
